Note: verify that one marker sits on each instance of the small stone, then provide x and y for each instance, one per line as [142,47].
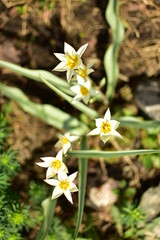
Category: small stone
[150,202]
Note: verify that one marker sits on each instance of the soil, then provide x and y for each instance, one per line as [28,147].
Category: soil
[31,32]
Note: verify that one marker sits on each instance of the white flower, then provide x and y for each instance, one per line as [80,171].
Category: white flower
[65,141]
[83,91]
[83,72]
[54,165]
[63,185]
[70,60]
[106,127]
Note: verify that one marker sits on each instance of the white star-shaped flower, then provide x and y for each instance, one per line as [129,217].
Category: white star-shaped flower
[70,60]
[83,91]
[65,141]
[106,127]
[63,185]
[54,165]
[83,72]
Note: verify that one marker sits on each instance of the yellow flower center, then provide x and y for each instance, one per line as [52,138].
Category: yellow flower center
[82,72]
[105,127]
[84,91]
[64,140]
[64,184]
[56,165]
[72,60]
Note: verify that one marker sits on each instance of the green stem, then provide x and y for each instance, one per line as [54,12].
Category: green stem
[83,164]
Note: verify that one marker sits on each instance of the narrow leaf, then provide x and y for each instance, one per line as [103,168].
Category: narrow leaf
[48,206]
[137,123]
[110,154]
[82,179]
[111,55]
[46,112]
[35,75]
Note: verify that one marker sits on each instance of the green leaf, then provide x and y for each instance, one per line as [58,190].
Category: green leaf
[111,55]
[109,154]
[35,75]
[51,115]
[82,179]
[80,106]
[137,123]
[48,206]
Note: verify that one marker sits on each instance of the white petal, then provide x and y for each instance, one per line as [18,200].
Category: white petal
[73,188]
[80,80]
[60,135]
[59,155]
[69,75]
[115,134]
[82,49]
[60,56]
[61,67]
[73,138]
[58,144]
[69,49]
[72,176]
[104,138]
[95,131]
[48,159]
[99,122]
[86,99]
[50,172]
[52,182]
[57,192]
[64,168]
[75,89]
[114,124]
[66,147]
[88,85]
[89,65]
[90,70]
[68,196]
[62,175]
[107,115]
[77,98]
[67,135]
[43,164]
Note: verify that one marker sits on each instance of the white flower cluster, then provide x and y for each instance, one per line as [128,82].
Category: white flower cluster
[72,63]
[56,174]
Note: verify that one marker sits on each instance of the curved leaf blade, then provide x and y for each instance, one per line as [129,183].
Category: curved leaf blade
[137,123]
[48,206]
[111,55]
[49,114]
[35,75]
[110,154]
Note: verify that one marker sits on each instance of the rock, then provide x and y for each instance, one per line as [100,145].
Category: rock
[104,196]
[150,202]
[147,98]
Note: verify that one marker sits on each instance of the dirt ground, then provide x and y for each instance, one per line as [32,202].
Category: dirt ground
[30,31]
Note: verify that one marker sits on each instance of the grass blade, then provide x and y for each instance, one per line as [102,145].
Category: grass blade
[48,206]
[110,154]
[82,179]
